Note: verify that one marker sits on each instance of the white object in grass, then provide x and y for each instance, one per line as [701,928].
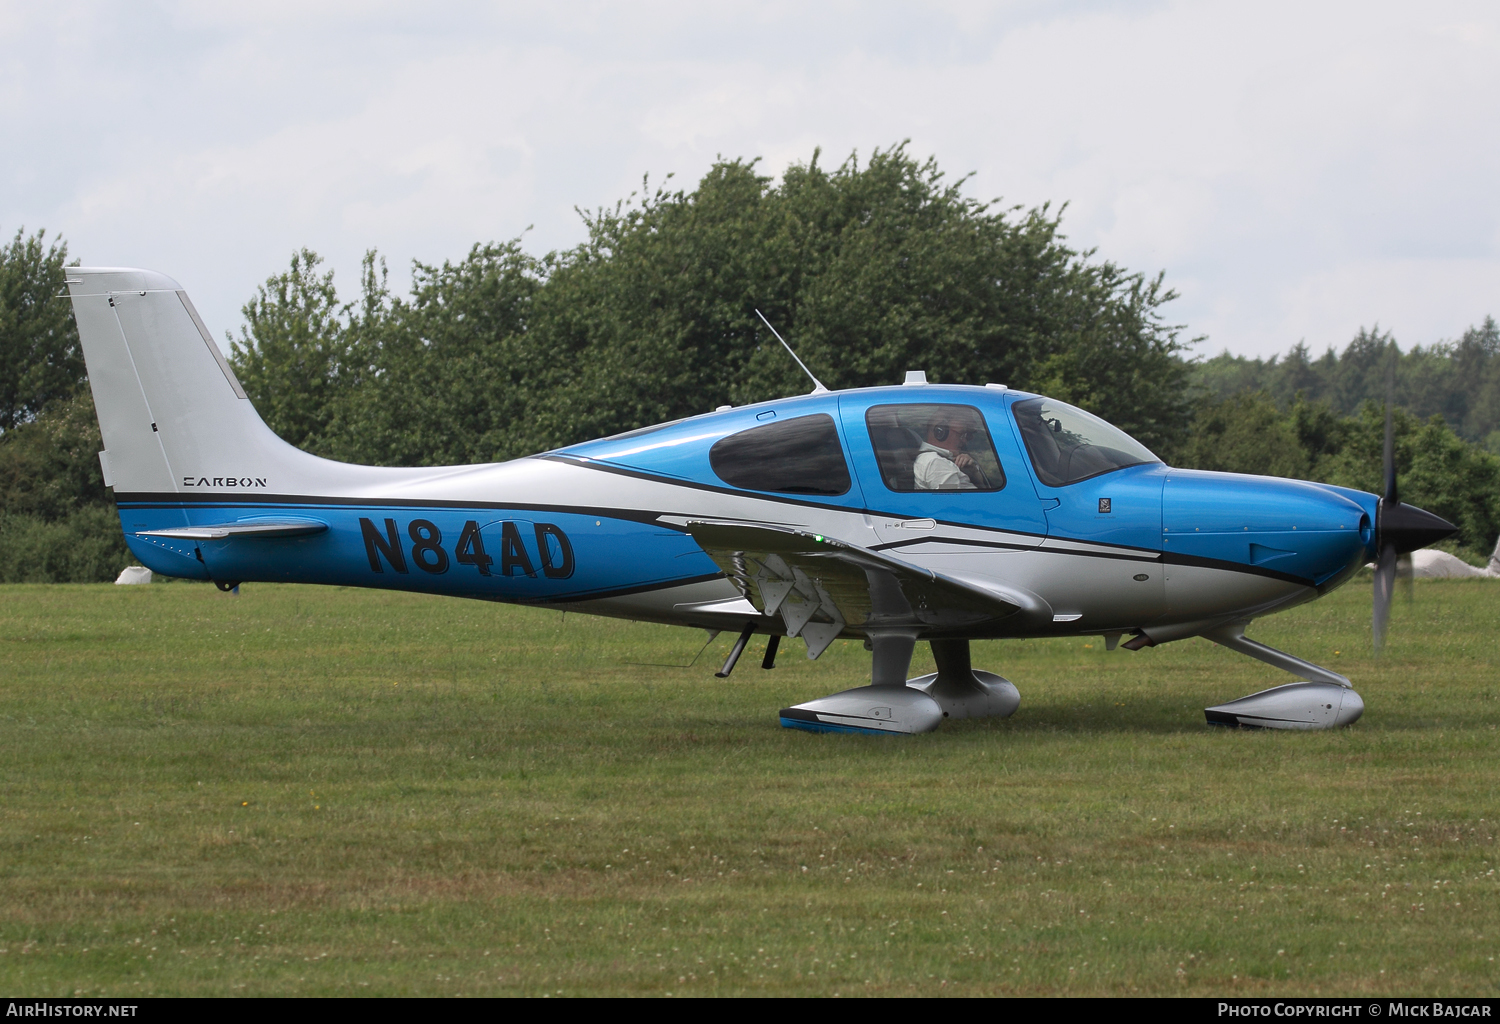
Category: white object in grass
[1432,564]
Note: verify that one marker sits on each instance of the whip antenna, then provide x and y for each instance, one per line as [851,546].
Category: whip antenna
[817,384]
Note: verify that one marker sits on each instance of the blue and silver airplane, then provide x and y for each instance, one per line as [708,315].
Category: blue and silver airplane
[892,515]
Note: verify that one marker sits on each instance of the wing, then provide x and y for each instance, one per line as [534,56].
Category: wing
[823,587]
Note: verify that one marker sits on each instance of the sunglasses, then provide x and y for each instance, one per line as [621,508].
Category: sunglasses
[942,431]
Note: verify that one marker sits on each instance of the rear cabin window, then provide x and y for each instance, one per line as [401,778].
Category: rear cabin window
[799,456]
[934,448]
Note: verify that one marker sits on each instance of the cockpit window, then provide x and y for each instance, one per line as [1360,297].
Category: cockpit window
[934,448]
[798,456]
[1067,445]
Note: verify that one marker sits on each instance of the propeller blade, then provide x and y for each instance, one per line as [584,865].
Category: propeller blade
[1385,582]
[1405,573]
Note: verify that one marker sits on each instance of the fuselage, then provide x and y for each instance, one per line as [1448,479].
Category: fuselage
[597,527]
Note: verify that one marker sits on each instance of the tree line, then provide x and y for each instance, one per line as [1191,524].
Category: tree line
[1458,380]
[869,268]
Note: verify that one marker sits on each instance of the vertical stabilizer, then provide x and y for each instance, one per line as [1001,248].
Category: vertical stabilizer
[173,417]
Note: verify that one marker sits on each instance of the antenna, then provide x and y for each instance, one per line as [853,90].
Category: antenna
[817,384]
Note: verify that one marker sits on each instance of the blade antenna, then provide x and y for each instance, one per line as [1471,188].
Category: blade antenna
[818,387]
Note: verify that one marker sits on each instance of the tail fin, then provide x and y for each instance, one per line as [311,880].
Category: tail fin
[173,416]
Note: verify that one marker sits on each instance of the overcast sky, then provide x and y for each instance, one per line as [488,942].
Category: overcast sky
[1298,170]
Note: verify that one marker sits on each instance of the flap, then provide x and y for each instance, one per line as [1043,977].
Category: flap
[821,586]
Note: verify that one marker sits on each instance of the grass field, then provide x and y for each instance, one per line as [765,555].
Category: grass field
[319,791]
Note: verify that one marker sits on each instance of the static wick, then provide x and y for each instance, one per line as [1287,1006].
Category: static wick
[817,384]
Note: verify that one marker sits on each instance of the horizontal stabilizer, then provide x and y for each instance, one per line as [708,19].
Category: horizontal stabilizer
[248,528]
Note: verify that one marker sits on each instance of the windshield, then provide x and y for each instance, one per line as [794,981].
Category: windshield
[1067,445]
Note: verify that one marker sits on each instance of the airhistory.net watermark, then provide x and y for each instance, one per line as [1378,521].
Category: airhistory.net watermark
[68,1008]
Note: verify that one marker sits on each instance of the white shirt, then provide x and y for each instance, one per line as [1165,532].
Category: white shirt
[935,470]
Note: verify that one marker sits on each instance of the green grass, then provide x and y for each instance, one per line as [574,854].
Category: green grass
[319,791]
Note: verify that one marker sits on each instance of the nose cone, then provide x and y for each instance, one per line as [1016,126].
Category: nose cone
[1407,528]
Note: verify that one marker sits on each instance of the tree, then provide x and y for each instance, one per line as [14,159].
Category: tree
[448,376]
[1459,381]
[40,359]
[1245,433]
[869,270]
[295,354]
[49,467]
[57,521]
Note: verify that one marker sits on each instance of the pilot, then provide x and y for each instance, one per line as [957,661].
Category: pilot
[942,464]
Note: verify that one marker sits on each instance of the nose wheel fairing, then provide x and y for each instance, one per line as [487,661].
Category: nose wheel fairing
[1292,706]
[1325,700]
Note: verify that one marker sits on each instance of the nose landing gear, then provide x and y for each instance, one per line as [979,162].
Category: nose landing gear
[1328,701]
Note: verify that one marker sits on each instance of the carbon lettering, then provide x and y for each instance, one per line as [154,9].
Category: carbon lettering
[427,540]
[512,552]
[389,545]
[224,481]
[563,567]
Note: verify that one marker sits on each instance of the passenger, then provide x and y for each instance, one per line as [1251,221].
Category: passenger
[942,464]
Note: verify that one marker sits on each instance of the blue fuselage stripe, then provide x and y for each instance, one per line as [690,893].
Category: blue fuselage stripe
[504,553]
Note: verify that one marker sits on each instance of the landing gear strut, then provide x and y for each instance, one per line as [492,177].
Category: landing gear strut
[1324,700]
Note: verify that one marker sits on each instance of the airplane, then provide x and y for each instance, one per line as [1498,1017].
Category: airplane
[894,515]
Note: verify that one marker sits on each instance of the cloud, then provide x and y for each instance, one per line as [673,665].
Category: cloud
[1297,170]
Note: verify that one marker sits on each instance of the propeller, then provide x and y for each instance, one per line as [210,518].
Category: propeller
[1399,530]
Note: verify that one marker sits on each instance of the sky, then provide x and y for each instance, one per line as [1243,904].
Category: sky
[1297,170]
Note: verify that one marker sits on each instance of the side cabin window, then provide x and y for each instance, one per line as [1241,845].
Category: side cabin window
[934,448]
[797,456]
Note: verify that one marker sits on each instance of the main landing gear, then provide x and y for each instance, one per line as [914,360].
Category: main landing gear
[893,703]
